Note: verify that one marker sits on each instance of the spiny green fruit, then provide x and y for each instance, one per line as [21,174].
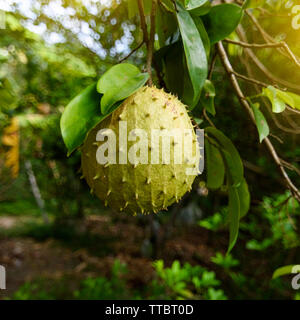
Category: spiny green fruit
[142,188]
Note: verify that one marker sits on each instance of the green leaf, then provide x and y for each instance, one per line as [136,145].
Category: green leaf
[244,197]
[234,216]
[194,51]
[198,7]
[214,166]
[280,98]
[261,122]
[166,24]
[203,34]
[168,5]
[207,99]
[170,60]
[222,20]
[234,165]
[282,271]
[118,83]
[292,99]
[79,116]
[278,105]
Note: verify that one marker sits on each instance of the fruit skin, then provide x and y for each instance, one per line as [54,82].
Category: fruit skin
[141,188]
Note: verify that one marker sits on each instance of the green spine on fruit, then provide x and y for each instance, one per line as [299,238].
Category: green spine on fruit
[141,188]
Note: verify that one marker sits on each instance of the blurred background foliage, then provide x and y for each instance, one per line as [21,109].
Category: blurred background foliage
[50,51]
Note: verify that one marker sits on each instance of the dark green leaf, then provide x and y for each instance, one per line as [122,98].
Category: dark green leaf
[165,25]
[203,34]
[172,57]
[194,51]
[80,116]
[222,20]
[118,83]
[234,165]
[214,166]
[234,216]
[261,122]
[188,92]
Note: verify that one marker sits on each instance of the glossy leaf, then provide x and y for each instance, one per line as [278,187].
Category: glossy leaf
[118,83]
[214,166]
[261,122]
[234,216]
[194,51]
[233,162]
[222,20]
[203,34]
[171,59]
[79,116]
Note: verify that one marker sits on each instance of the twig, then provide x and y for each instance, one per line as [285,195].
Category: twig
[262,67]
[143,20]
[207,118]
[150,43]
[254,45]
[290,166]
[257,82]
[132,52]
[212,65]
[228,68]
[276,137]
[269,39]
[280,44]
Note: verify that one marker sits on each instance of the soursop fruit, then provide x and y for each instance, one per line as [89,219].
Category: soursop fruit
[143,187]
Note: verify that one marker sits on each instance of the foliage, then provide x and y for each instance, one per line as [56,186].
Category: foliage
[105,289]
[50,64]
[186,282]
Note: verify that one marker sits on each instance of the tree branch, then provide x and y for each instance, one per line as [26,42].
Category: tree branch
[262,67]
[143,20]
[150,44]
[270,40]
[228,68]
[254,81]
[132,52]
